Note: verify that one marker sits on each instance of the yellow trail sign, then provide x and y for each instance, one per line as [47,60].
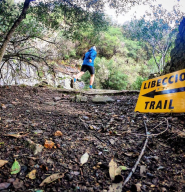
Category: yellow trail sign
[164,94]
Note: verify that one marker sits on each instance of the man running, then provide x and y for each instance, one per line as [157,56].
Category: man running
[88,65]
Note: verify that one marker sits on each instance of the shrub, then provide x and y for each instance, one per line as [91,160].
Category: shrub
[108,75]
[137,84]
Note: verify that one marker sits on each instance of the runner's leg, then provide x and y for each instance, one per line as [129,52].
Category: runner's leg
[83,70]
[92,72]
[91,79]
[79,75]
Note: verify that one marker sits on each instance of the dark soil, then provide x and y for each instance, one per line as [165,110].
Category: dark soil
[105,131]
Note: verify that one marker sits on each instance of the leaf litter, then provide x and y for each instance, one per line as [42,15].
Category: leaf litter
[111,131]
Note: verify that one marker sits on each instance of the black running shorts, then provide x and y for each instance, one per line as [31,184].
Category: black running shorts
[85,68]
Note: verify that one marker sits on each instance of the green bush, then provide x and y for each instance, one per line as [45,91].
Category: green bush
[108,75]
[66,57]
[72,53]
[152,65]
[137,84]
[117,81]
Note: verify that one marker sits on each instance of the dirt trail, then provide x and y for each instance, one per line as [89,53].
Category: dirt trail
[104,131]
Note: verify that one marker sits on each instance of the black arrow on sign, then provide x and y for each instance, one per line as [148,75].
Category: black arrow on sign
[153,93]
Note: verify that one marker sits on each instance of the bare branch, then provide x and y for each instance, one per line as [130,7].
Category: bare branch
[45,40]
[2,67]
[139,158]
[153,52]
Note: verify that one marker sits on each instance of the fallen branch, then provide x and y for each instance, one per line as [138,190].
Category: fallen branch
[153,135]
[109,123]
[162,131]
[16,135]
[87,128]
[85,125]
[139,158]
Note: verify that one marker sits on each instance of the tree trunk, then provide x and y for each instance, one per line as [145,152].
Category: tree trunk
[177,53]
[11,31]
[158,64]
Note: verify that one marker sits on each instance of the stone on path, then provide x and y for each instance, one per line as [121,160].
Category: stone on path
[38,149]
[49,103]
[102,99]
[79,98]
[57,99]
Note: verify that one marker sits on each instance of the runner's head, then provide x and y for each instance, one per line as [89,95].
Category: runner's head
[93,48]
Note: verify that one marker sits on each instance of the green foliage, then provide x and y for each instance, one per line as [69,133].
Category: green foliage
[66,57]
[8,13]
[116,80]
[44,21]
[72,20]
[109,42]
[30,27]
[152,65]
[137,83]
[108,75]
[135,50]
[23,85]
[156,31]
[124,53]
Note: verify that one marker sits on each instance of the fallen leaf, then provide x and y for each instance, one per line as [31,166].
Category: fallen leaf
[84,158]
[18,184]
[3,106]
[123,168]
[129,154]
[112,141]
[91,127]
[49,144]
[3,162]
[142,169]
[163,189]
[52,178]
[4,185]
[15,167]
[58,133]
[138,187]
[32,174]
[112,169]
[11,180]
[116,187]
[119,169]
